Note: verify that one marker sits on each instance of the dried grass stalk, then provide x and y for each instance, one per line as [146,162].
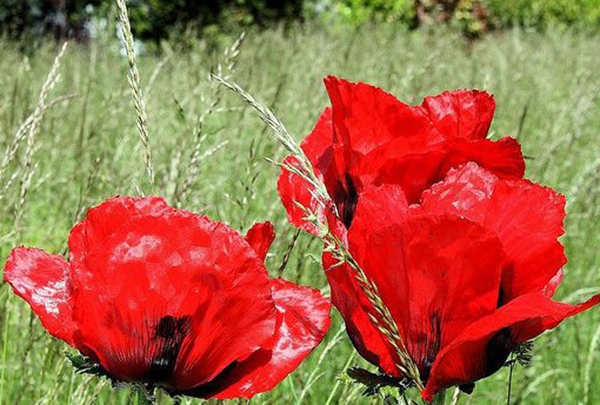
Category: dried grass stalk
[136,88]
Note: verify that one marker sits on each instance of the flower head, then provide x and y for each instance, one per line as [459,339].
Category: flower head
[368,137]
[171,299]
[468,274]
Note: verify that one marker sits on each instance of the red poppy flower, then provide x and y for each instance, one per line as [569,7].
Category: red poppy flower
[172,299]
[468,274]
[368,137]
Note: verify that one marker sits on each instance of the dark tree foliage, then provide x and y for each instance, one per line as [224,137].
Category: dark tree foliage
[60,18]
[151,19]
[154,19]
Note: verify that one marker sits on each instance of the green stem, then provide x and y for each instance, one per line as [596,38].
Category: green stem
[510,378]
[439,399]
[143,397]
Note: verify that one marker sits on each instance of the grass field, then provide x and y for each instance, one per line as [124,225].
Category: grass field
[547,89]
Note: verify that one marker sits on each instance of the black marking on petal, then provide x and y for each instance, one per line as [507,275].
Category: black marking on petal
[346,199]
[168,335]
[500,298]
[224,379]
[434,341]
[498,350]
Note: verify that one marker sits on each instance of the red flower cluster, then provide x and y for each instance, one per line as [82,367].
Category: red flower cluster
[172,299]
[463,251]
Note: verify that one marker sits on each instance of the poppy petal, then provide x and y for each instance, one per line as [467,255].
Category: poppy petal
[503,157]
[427,268]
[303,321]
[467,358]
[461,114]
[260,237]
[550,288]
[43,281]
[517,211]
[103,220]
[292,188]
[294,191]
[347,295]
[416,171]
[366,117]
[355,308]
[156,285]
[317,145]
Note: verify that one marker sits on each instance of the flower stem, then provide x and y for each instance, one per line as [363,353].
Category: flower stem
[141,396]
[439,399]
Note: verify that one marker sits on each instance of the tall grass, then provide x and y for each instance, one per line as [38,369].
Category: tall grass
[208,151]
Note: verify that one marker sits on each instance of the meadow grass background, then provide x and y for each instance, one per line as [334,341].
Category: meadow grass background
[547,89]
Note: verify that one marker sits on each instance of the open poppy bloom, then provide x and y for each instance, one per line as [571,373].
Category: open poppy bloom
[168,298]
[467,274]
[368,137]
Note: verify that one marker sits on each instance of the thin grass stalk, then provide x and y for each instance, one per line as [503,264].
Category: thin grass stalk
[4,350]
[338,381]
[33,128]
[155,73]
[32,120]
[589,364]
[288,253]
[224,69]
[314,376]
[24,129]
[382,319]
[532,387]
[456,396]
[136,88]
[282,136]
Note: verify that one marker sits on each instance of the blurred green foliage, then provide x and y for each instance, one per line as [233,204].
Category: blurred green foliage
[357,12]
[155,20]
[545,13]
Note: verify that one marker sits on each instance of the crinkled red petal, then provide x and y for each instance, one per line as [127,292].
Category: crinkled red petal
[43,281]
[296,196]
[469,357]
[102,221]
[366,117]
[527,218]
[303,321]
[260,237]
[464,114]
[355,308]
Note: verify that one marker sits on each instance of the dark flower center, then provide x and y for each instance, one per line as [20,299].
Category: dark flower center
[500,345]
[432,347]
[498,350]
[346,198]
[170,333]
